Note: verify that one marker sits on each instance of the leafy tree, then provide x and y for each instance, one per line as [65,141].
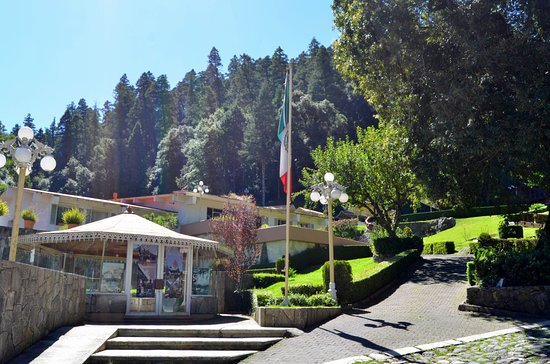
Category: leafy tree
[75,178]
[376,171]
[465,78]
[169,221]
[236,228]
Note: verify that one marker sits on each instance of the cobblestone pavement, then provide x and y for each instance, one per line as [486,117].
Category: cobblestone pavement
[529,346]
[421,308]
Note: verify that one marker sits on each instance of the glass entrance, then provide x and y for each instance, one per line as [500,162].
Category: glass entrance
[158,279]
[175,280]
[144,275]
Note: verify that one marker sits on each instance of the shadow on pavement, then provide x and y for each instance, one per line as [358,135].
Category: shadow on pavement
[361,340]
[441,270]
[39,347]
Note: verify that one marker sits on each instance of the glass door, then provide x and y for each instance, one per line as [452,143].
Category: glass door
[175,275]
[144,265]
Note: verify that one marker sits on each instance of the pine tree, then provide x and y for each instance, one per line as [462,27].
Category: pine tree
[29,121]
[170,160]
[213,93]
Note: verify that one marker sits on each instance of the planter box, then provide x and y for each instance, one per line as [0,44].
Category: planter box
[299,317]
[533,300]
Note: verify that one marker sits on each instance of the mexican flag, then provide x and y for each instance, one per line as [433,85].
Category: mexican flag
[283,134]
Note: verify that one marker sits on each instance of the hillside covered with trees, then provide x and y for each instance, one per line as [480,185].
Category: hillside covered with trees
[212,126]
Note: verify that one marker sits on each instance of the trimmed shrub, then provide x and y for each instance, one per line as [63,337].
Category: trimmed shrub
[352,252]
[263,298]
[305,289]
[322,299]
[510,231]
[4,208]
[364,288]
[471,272]
[474,246]
[342,278]
[347,228]
[538,208]
[280,265]
[439,247]
[298,299]
[390,246]
[263,280]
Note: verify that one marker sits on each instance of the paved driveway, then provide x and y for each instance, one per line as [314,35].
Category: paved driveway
[418,310]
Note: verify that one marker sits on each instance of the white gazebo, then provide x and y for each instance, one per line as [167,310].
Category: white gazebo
[133,266]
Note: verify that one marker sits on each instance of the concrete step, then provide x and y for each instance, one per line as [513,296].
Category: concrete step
[170,356]
[203,332]
[191,343]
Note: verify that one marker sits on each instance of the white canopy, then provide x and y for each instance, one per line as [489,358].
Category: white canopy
[123,227]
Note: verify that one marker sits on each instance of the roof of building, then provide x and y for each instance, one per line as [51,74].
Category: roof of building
[127,227]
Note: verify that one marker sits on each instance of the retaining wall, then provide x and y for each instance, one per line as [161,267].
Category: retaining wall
[35,301]
[533,300]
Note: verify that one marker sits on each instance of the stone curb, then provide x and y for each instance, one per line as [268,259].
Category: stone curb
[395,353]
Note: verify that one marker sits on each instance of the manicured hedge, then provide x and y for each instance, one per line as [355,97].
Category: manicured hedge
[510,231]
[263,280]
[364,288]
[471,273]
[390,246]
[322,299]
[439,247]
[305,289]
[503,244]
[342,279]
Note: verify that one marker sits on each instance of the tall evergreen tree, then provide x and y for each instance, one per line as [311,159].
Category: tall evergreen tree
[213,93]
[170,160]
[29,121]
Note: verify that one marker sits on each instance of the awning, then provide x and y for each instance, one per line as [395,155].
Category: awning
[123,227]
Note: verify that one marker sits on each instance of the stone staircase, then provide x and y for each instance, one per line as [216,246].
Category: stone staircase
[186,345]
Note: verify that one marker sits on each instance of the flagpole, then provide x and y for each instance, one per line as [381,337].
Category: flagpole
[289,186]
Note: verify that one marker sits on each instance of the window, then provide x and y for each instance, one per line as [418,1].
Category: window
[280,222]
[202,272]
[91,215]
[212,213]
[306,225]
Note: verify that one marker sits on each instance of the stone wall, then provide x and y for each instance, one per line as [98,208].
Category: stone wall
[299,317]
[533,300]
[35,301]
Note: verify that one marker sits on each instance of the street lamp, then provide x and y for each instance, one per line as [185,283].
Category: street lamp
[325,193]
[201,188]
[24,150]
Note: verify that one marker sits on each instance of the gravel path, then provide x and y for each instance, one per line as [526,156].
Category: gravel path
[421,308]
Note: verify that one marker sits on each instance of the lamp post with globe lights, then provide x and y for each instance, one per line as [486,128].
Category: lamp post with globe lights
[325,193]
[201,188]
[24,150]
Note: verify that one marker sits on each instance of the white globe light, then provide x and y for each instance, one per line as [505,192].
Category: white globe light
[335,194]
[25,133]
[23,155]
[48,163]
[323,200]
[315,196]
[206,190]
[201,183]
[344,197]
[2,160]
[195,190]
[329,177]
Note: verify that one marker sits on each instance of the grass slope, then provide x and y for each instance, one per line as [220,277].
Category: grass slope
[469,228]
[360,268]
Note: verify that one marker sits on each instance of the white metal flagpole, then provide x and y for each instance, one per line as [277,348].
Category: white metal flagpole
[289,185]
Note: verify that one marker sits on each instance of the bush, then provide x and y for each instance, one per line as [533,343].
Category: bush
[347,228]
[538,208]
[4,208]
[439,247]
[390,246]
[370,285]
[262,270]
[263,280]
[407,232]
[73,216]
[28,214]
[322,299]
[352,252]
[510,231]
[471,273]
[280,265]
[342,278]
[474,246]
[305,289]
[263,298]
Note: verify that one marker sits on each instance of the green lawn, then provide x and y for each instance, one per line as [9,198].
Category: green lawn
[469,228]
[361,268]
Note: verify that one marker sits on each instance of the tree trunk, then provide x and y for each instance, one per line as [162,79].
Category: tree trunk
[263,183]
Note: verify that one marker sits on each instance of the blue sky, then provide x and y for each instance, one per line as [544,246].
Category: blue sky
[57,51]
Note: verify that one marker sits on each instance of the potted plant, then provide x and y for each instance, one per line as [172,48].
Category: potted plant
[29,218]
[4,208]
[73,217]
